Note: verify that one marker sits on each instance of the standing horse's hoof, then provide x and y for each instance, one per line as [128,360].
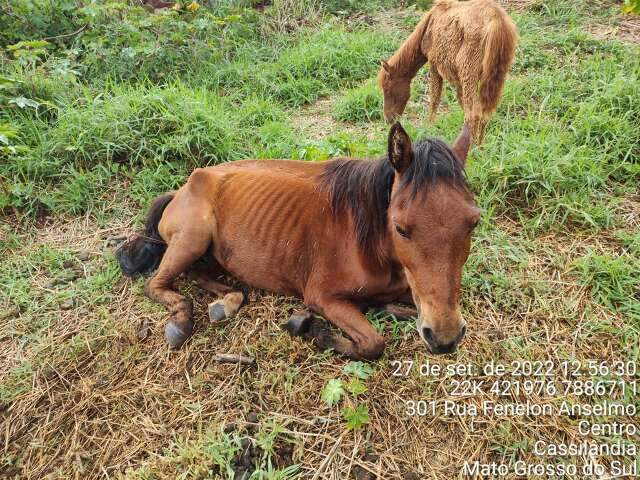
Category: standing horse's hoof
[226,307]
[175,335]
[298,323]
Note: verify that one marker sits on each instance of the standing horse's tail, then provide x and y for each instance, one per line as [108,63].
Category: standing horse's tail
[499,44]
[143,253]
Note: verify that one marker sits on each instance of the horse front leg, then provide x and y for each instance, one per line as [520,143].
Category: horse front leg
[304,324]
[399,311]
[364,341]
[368,344]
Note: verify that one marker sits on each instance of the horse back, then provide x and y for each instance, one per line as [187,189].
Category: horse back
[454,39]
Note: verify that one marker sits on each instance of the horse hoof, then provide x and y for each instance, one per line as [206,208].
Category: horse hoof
[227,307]
[176,336]
[298,323]
[216,311]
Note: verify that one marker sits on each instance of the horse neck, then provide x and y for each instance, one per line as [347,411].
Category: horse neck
[360,189]
[379,252]
[409,58]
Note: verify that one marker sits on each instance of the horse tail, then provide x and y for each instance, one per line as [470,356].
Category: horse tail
[143,253]
[499,45]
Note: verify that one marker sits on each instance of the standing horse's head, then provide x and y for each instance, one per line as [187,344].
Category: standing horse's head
[396,89]
[431,217]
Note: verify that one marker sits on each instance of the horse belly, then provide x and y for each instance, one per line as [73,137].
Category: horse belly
[263,232]
[257,268]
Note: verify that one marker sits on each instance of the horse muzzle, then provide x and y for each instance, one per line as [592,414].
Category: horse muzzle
[444,341]
[390,117]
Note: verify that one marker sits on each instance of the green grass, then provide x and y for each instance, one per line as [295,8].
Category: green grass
[221,109]
[216,453]
[93,126]
[362,104]
[612,281]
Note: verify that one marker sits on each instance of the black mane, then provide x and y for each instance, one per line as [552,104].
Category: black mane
[364,187]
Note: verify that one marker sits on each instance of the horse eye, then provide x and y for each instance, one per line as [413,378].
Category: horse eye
[402,231]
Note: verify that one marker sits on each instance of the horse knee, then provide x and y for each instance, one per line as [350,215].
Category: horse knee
[371,348]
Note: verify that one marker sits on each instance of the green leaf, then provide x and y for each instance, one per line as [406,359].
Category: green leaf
[34,44]
[358,369]
[631,6]
[23,102]
[356,387]
[6,83]
[332,391]
[356,417]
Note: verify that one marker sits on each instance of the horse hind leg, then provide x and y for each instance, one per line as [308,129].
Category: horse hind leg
[472,107]
[480,129]
[223,308]
[435,92]
[179,256]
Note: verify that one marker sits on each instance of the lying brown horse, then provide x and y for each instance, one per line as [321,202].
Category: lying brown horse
[343,235]
[470,44]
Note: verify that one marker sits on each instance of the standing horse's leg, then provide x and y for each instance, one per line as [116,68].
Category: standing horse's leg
[435,91]
[482,124]
[459,96]
[472,106]
[183,250]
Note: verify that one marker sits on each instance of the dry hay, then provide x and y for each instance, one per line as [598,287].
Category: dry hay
[515,5]
[119,402]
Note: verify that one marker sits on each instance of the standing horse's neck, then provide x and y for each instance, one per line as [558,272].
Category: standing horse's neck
[409,58]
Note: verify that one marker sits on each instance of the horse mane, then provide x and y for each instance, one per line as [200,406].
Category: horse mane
[364,188]
[409,58]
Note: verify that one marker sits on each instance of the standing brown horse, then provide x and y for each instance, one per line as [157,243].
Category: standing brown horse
[470,44]
[343,235]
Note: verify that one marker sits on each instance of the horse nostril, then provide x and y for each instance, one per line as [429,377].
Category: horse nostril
[427,333]
[463,331]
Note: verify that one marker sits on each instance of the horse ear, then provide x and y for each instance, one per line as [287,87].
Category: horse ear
[385,65]
[400,149]
[462,144]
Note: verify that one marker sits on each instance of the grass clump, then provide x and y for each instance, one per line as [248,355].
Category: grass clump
[318,64]
[93,125]
[612,281]
[141,125]
[135,131]
[227,454]
[362,104]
